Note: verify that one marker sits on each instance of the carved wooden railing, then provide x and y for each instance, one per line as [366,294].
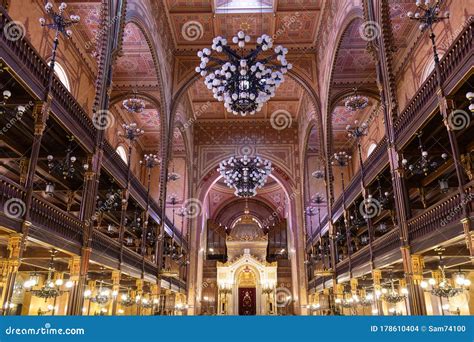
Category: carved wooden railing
[8,191]
[104,245]
[342,266]
[132,259]
[53,220]
[35,69]
[114,164]
[439,215]
[386,243]
[150,267]
[360,256]
[421,105]
[372,166]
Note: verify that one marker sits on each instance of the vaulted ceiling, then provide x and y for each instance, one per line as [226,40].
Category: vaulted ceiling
[293,23]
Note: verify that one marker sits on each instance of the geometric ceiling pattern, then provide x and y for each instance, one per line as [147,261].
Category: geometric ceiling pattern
[354,64]
[135,66]
[195,23]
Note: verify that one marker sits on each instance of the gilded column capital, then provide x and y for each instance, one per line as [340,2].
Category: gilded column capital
[75,267]
[14,246]
[417,265]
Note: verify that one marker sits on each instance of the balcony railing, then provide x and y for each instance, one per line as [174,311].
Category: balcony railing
[425,99]
[373,165]
[33,69]
[444,213]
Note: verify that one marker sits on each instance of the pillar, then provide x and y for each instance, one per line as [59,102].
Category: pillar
[377,280]
[413,266]
[139,293]
[11,269]
[75,291]
[115,290]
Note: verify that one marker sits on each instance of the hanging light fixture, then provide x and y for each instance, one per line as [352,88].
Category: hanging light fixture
[243,81]
[470,97]
[66,167]
[318,174]
[443,287]
[391,295]
[49,189]
[126,300]
[50,289]
[356,102]
[425,164]
[134,104]
[245,174]
[428,13]
[102,295]
[5,108]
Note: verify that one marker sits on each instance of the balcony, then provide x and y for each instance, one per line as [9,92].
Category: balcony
[26,63]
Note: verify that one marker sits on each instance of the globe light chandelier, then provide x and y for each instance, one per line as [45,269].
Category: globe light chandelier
[245,174]
[442,287]
[391,295]
[356,102]
[134,104]
[243,80]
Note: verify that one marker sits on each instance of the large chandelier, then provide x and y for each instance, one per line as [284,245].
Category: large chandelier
[424,165]
[356,102]
[101,297]
[391,295]
[443,287]
[241,80]
[245,174]
[134,104]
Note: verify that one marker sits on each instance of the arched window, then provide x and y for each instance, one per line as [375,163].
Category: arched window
[61,73]
[122,153]
[371,149]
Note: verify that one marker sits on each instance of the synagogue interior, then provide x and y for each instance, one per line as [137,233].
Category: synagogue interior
[223,157]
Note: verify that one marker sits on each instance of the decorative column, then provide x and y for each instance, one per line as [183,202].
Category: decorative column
[150,161]
[76,293]
[115,290]
[11,267]
[139,294]
[377,281]
[131,133]
[416,296]
[341,160]
[155,297]
[86,213]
